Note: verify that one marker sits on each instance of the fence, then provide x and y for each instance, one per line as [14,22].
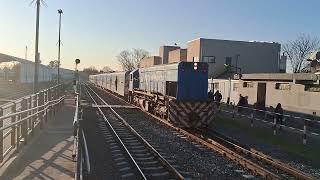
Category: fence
[80,149]
[20,119]
[306,126]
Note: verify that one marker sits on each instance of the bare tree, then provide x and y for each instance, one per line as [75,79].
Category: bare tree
[53,64]
[107,69]
[91,70]
[138,55]
[298,50]
[129,60]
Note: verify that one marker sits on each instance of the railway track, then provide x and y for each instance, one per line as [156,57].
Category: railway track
[259,163]
[141,160]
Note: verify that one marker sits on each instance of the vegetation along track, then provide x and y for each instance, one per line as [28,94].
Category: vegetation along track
[146,162]
[276,169]
[259,163]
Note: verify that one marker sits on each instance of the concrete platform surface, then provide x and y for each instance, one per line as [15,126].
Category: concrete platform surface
[49,155]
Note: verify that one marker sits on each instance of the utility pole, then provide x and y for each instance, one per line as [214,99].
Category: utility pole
[26,54]
[36,61]
[60,12]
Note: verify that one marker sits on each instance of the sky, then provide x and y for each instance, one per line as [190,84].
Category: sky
[95,31]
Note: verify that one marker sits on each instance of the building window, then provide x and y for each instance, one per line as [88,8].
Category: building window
[247,84]
[216,86]
[283,86]
[228,60]
[235,86]
[209,59]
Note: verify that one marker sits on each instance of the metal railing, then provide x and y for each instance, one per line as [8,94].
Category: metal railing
[21,118]
[80,149]
[296,123]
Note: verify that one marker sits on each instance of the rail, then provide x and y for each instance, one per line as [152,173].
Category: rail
[20,119]
[162,160]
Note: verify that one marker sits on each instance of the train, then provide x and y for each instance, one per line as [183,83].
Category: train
[176,92]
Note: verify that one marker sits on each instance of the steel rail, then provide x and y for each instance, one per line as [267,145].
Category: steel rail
[154,151]
[119,139]
[285,167]
[259,155]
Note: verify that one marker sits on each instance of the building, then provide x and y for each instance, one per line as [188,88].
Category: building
[250,57]
[296,92]
[177,56]
[150,61]
[24,70]
[164,52]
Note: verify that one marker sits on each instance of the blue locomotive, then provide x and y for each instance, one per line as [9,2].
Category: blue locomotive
[177,92]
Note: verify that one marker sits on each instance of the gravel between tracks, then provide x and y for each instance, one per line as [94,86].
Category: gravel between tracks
[194,160]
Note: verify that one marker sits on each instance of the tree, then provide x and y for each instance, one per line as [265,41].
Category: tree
[53,64]
[138,55]
[129,60]
[91,70]
[107,69]
[299,49]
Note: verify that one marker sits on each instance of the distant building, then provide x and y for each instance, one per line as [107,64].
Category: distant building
[164,52]
[296,92]
[177,56]
[150,61]
[251,57]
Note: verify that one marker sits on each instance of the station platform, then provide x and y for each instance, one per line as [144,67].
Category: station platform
[49,155]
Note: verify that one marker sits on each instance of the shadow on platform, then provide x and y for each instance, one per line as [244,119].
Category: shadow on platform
[49,156]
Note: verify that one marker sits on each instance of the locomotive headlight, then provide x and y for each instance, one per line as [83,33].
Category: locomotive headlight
[195,66]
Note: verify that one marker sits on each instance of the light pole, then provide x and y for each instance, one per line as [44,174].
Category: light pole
[76,76]
[60,12]
[36,60]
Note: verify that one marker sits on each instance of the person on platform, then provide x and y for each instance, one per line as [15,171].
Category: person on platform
[210,95]
[279,114]
[217,98]
[241,103]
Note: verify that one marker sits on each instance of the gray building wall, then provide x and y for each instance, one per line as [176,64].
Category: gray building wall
[253,57]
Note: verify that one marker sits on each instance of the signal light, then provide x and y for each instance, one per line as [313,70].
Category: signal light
[195,67]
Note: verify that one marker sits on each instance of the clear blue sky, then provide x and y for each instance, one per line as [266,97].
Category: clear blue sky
[97,30]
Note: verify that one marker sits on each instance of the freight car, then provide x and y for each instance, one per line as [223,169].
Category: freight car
[177,92]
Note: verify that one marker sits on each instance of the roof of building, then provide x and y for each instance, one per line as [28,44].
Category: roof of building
[251,41]
[279,76]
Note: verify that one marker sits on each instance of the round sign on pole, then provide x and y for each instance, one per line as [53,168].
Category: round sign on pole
[318,55]
[77,61]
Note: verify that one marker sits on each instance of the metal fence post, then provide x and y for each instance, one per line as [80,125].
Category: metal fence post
[14,128]
[275,125]
[305,132]
[44,101]
[233,112]
[30,120]
[251,119]
[24,126]
[40,103]
[1,137]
